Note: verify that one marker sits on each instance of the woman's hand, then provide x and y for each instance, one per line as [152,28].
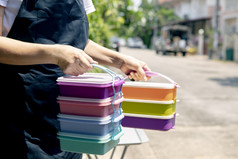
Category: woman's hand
[73,61]
[134,68]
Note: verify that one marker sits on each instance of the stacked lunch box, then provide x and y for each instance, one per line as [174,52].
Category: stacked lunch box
[90,106]
[150,105]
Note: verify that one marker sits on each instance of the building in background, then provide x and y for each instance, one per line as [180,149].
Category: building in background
[196,14]
[191,9]
[200,14]
[229,29]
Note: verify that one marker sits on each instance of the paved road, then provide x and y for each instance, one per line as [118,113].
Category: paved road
[207,127]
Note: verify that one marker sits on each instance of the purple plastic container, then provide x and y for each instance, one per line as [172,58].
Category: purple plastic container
[162,123]
[89,85]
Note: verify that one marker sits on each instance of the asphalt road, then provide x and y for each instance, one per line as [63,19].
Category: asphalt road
[207,125]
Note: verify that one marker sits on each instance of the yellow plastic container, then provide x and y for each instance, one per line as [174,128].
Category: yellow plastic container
[149,107]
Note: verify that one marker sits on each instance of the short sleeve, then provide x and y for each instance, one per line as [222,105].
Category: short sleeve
[3,3]
[88,6]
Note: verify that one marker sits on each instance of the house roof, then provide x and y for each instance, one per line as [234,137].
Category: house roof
[163,1]
[185,21]
[167,1]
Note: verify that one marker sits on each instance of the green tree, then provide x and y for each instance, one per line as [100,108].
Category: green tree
[146,26]
[117,17]
[105,20]
[141,22]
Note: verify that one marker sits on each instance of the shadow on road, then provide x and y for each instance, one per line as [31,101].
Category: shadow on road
[229,81]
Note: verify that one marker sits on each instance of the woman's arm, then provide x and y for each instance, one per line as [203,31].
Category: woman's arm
[127,64]
[103,55]
[15,52]
[71,60]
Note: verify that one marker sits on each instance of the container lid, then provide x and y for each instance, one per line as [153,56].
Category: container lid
[89,78]
[150,101]
[149,116]
[116,131]
[90,140]
[118,98]
[99,120]
[149,85]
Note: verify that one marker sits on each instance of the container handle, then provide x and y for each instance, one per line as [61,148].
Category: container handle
[114,76]
[118,118]
[156,74]
[116,136]
[111,73]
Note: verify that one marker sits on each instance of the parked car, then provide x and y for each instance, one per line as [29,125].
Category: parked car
[174,39]
[115,44]
[135,43]
[122,42]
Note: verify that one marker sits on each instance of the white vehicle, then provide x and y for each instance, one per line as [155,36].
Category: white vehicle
[174,39]
[135,43]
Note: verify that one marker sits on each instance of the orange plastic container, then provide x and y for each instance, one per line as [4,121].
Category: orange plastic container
[149,91]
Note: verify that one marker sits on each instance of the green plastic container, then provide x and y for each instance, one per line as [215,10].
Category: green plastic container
[90,145]
[149,107]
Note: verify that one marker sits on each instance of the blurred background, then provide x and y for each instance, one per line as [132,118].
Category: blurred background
[194,42]
[206,27]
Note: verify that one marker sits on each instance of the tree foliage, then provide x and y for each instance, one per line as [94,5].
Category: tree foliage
[118,17]
[105,21]
[149,15]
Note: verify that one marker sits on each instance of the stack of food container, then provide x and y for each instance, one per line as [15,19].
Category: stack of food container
[91,114]
[150,105]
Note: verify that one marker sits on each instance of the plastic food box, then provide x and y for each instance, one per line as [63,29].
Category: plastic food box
[149,91]
[89,85]
[89,107]
[98,145]
[149,107]
[90,125]
[162,123]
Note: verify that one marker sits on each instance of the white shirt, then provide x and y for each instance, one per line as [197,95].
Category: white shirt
[11,10]
[12,7]
[88,6]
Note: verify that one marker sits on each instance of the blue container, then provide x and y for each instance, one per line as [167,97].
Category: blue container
[90,125]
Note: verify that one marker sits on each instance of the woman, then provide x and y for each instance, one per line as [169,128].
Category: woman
[42,44]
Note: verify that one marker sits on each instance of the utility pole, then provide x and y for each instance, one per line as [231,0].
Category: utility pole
[215,30]
[155,31]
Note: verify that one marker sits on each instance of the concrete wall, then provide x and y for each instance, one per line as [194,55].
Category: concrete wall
[193,9]
[236,48]
[229,27]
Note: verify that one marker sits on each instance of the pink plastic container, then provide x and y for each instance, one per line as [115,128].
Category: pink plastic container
[89,107]
[89,85]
